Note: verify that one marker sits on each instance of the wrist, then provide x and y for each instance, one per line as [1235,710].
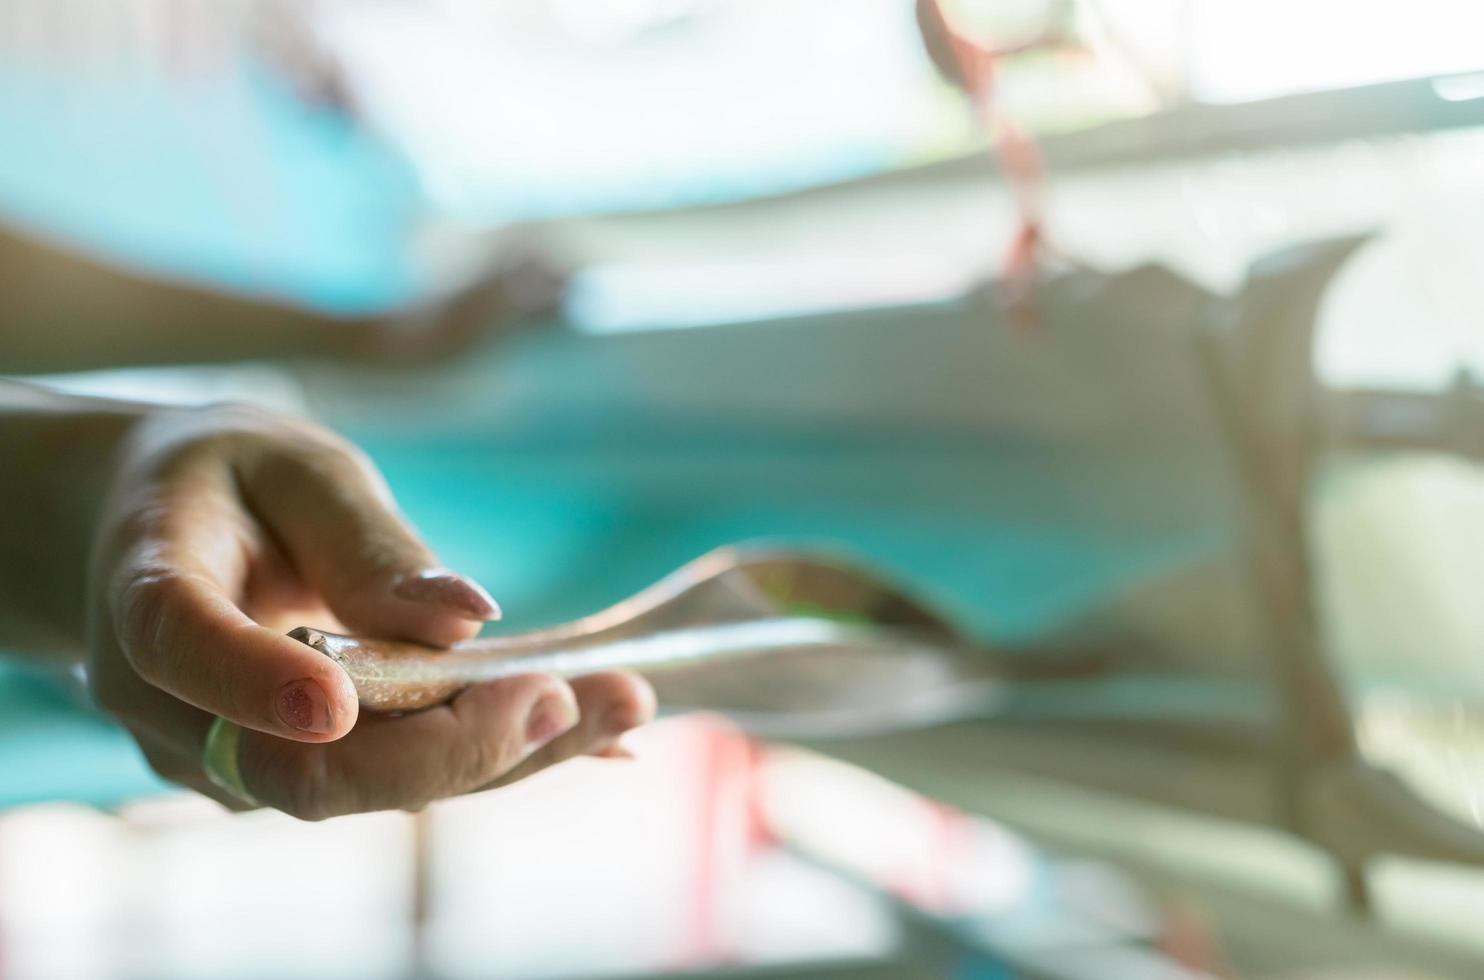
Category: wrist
[63,452]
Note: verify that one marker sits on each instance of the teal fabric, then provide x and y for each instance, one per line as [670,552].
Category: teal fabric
[51,748]
[227,179]
[1007,541]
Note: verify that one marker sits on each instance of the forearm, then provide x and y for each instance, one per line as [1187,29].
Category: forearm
[57,454]
[60,311]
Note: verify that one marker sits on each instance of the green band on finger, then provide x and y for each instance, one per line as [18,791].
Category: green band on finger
[219,758]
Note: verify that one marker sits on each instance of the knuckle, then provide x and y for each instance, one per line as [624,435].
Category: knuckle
[129,540]
[480,763]
[143,521]
[162,640]
[484,759]
[142,617]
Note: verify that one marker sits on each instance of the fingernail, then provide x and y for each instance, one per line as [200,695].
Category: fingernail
[552,715]
[453,592]
[302,705]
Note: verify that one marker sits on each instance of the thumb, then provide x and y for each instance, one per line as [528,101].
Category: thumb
[335,518]
[182,635]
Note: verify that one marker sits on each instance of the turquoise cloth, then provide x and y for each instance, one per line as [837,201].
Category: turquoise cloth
[53,749]
[227,180]
[1007,541]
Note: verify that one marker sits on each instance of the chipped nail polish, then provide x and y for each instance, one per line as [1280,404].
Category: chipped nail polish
[454,592]
[302,705]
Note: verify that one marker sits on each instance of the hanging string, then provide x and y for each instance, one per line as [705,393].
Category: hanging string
[974,64]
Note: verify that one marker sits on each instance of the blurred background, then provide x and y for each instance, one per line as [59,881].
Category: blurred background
[1253,371]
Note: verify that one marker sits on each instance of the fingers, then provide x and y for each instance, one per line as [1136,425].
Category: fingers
[191,542]
[407,762]
[609,704]
[335,518]
[184,769]
[526,282]
[491,735]
[519,283]
[182,635]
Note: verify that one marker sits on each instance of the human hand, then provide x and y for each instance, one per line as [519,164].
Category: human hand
[518,282]
[227,525]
